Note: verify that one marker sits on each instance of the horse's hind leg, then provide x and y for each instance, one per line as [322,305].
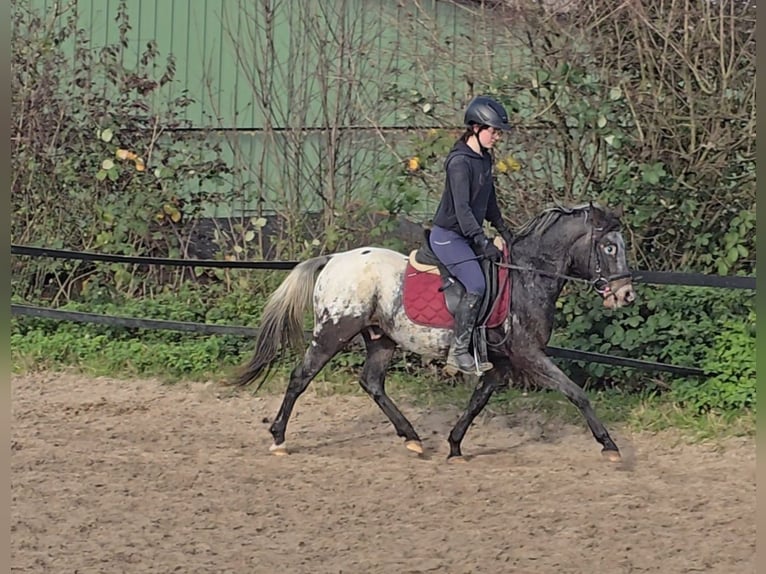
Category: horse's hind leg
[320,351]
[379,354]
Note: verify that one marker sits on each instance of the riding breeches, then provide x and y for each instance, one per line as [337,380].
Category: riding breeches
[455,252]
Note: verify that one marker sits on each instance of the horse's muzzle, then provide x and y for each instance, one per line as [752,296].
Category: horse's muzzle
[619,293]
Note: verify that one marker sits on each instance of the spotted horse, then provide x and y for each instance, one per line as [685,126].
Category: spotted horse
[366,292]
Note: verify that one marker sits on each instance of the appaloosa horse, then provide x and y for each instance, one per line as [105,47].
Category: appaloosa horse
[388,299]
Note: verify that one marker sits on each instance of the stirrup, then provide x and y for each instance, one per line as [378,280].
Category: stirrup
[477,368]
[480,358]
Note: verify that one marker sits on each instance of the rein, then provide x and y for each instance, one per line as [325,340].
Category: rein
[600,284]
[549,273]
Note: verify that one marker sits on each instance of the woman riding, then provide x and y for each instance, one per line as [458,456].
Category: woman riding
[457,236]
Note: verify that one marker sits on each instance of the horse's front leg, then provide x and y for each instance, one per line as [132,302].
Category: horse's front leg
[491,380]
[552,377]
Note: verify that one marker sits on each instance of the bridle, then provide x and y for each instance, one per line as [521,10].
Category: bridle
[600,284]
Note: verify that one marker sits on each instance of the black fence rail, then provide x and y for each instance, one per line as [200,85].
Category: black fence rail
[653,277]
[240,331]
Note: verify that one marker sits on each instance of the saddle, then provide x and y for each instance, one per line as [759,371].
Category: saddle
[431,293]
[424,260]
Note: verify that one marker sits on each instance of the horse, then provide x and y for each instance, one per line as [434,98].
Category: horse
[362,292]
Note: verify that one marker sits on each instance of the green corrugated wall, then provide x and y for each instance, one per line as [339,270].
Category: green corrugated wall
[205,37]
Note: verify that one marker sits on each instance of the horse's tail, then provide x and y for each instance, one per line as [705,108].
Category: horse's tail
[282,319]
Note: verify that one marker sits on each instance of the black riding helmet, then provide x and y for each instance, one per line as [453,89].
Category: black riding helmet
[485,111]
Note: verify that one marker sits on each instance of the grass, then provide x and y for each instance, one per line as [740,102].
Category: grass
[189,360]
[99,350]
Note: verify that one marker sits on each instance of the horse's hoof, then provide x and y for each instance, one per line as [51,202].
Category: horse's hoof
[458,459]
[278,449]
[414,446]
[611,455]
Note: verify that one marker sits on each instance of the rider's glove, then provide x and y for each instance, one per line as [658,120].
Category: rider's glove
[487,248]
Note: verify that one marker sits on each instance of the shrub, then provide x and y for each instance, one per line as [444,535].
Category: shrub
[668,324]
[730,368]
[93,165]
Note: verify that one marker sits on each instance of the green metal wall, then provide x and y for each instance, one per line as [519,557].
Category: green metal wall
[230,66]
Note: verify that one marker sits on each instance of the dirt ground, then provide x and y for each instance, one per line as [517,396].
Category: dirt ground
[134,476]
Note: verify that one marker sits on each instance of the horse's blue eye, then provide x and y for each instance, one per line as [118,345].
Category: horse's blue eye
[610,250]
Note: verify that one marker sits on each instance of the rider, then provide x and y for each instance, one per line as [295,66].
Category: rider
[467,200]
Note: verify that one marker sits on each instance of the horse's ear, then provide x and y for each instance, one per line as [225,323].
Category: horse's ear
[597,215]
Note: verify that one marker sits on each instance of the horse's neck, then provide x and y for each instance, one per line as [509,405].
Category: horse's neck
[551,254]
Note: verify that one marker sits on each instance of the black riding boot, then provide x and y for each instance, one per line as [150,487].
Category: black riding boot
[465,320]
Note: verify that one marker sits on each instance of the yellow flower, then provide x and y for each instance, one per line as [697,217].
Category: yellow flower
[413,164]
[512,163]
[125,154]
[172,212]
[502,167]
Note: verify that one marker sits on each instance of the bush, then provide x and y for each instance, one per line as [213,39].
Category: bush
[668,324]
[730,368]
[93,166]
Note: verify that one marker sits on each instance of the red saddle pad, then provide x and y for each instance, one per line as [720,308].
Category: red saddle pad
[425,305]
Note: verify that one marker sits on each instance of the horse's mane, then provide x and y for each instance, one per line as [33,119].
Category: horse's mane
[543,221]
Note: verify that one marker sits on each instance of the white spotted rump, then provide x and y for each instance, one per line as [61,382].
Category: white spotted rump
[371,290]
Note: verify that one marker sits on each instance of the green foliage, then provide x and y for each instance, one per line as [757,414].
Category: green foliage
[185,357]
[45,343]
[673,325]
[98,162]
[730,367]
[414,183]
[582,137]
[603,114]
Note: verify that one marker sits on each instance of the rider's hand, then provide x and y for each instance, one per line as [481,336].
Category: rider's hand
[492,252]
[488,249]
[507,237]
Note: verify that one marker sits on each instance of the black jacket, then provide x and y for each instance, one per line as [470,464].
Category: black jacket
[469,193]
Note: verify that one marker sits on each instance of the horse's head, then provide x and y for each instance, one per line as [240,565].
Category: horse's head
[601,256]
[583,242]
